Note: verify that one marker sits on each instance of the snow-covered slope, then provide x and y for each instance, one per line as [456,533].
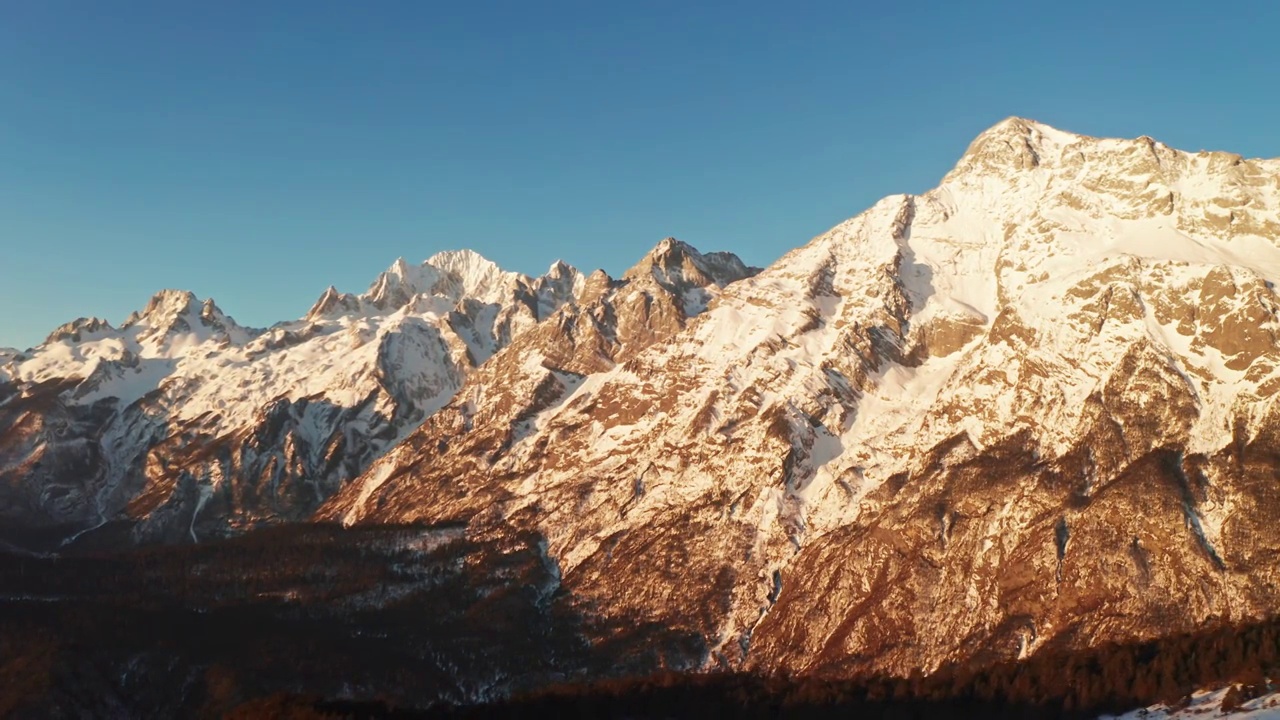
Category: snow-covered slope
[1207,705]
[180,411]
[503,404]
[1031,407]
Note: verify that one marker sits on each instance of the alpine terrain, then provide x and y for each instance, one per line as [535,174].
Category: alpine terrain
[187,423]
[1032,407]
[1029,411]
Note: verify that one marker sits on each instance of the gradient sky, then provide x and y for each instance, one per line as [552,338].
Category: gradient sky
[258,152]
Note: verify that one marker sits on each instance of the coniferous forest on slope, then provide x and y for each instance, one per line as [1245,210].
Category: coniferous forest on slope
[320,621]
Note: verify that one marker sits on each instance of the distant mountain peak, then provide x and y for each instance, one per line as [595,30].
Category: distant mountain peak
[679,266]
[671,244]
[478,276]
[163,308]
[1016,144]
[1013,144]
[460,257]
[171,312]
[452,274]
[560,268]
[78,329]
[331,301]
[168,301]
[668,251]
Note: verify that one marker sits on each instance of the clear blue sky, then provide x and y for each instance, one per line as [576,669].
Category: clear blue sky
[258,151]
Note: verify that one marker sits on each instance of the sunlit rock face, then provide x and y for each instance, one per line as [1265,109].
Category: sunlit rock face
[1030,408]
[181,423]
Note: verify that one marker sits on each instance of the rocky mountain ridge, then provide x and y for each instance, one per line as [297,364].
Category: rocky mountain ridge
[181,410]
[1031,408]
[181,422]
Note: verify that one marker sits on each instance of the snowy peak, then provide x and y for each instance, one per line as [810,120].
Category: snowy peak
[1014,144]
[398,284]
[172,313]
[1017,146]
[477,275]
[79,329]
[561,285]
[560,268]
[163,308]
[667,255]
[451,275]
[333,302]
[1071,254]
[1199,201]
[680,269]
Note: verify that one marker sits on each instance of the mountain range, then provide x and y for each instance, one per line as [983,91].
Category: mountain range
[1032,409]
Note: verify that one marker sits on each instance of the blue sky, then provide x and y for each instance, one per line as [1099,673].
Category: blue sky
[257,152]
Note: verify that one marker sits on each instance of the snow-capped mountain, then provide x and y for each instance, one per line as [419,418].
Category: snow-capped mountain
[505,402]
[1031,408]
[181,417]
